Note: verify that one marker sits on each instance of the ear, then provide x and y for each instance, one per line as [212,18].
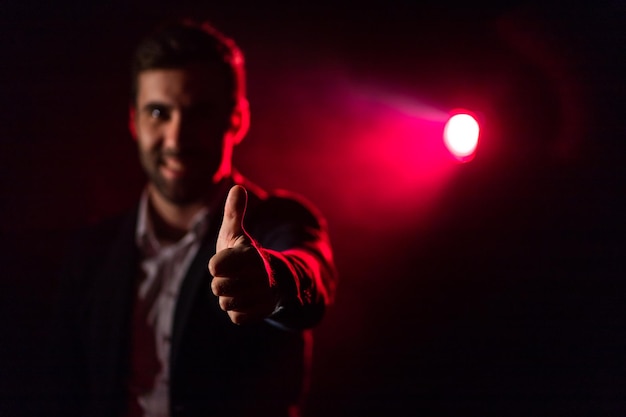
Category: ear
[240,121]
[132,113]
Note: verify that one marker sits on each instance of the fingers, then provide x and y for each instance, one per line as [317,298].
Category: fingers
[235,261]
[238,317]
[240,304]
[241,283]
[232,225]
[245,309]
[231,287]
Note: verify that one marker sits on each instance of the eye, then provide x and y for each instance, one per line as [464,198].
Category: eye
[157,112]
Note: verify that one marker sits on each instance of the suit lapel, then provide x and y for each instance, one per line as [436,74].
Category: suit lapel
[192,283]
[198,273]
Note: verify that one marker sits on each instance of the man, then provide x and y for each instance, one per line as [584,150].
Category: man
[197,303]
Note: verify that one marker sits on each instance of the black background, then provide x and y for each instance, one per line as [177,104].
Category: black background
[509,301]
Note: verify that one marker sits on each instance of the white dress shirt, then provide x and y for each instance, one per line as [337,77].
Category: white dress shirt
[163,268]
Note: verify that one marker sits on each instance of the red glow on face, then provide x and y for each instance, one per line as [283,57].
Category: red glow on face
[461,136]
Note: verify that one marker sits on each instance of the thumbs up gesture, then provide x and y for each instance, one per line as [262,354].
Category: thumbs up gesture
[242,278]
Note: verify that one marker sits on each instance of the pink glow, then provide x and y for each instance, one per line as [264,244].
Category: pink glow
[368,159]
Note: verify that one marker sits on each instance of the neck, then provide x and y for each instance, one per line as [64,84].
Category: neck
[171,221]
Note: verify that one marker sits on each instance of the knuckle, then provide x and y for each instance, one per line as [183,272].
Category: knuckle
[213,265]
[237,317]
[224,303]
[215,286]
[234,317]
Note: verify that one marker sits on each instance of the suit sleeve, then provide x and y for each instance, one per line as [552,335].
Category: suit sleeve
[293,237]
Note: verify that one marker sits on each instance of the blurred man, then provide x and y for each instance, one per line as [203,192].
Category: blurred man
[198,301]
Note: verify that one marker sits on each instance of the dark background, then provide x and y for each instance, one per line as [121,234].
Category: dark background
[505,299]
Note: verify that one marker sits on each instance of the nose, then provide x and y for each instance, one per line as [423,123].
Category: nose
[179,131]
[172,132]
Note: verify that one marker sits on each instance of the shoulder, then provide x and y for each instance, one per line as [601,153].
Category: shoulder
[104,230]
[90,249]
[281,206]
[95,239]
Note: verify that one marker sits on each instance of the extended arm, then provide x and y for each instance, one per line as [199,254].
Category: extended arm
[287,275]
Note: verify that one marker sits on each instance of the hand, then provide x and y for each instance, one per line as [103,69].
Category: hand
[241,276]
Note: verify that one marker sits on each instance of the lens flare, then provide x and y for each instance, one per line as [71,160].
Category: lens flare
[461,136]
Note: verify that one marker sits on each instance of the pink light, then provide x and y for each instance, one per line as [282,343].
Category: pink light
[461,136]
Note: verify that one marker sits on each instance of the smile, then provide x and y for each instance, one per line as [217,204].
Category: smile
[172,167]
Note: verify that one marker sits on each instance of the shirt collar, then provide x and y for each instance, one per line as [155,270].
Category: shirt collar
[145,236]
[144,233]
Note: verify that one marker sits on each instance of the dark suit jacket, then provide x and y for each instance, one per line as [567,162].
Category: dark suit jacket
[217,368]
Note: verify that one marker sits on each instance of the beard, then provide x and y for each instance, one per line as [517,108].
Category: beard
[192,187]
[179,192]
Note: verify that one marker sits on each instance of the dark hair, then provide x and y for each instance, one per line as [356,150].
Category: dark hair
[186,42]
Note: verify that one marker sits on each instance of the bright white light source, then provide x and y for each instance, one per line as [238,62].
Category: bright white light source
[461,135]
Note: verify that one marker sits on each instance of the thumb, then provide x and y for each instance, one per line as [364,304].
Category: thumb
[232,225]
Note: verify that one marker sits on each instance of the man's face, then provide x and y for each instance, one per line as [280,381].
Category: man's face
[182,120]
